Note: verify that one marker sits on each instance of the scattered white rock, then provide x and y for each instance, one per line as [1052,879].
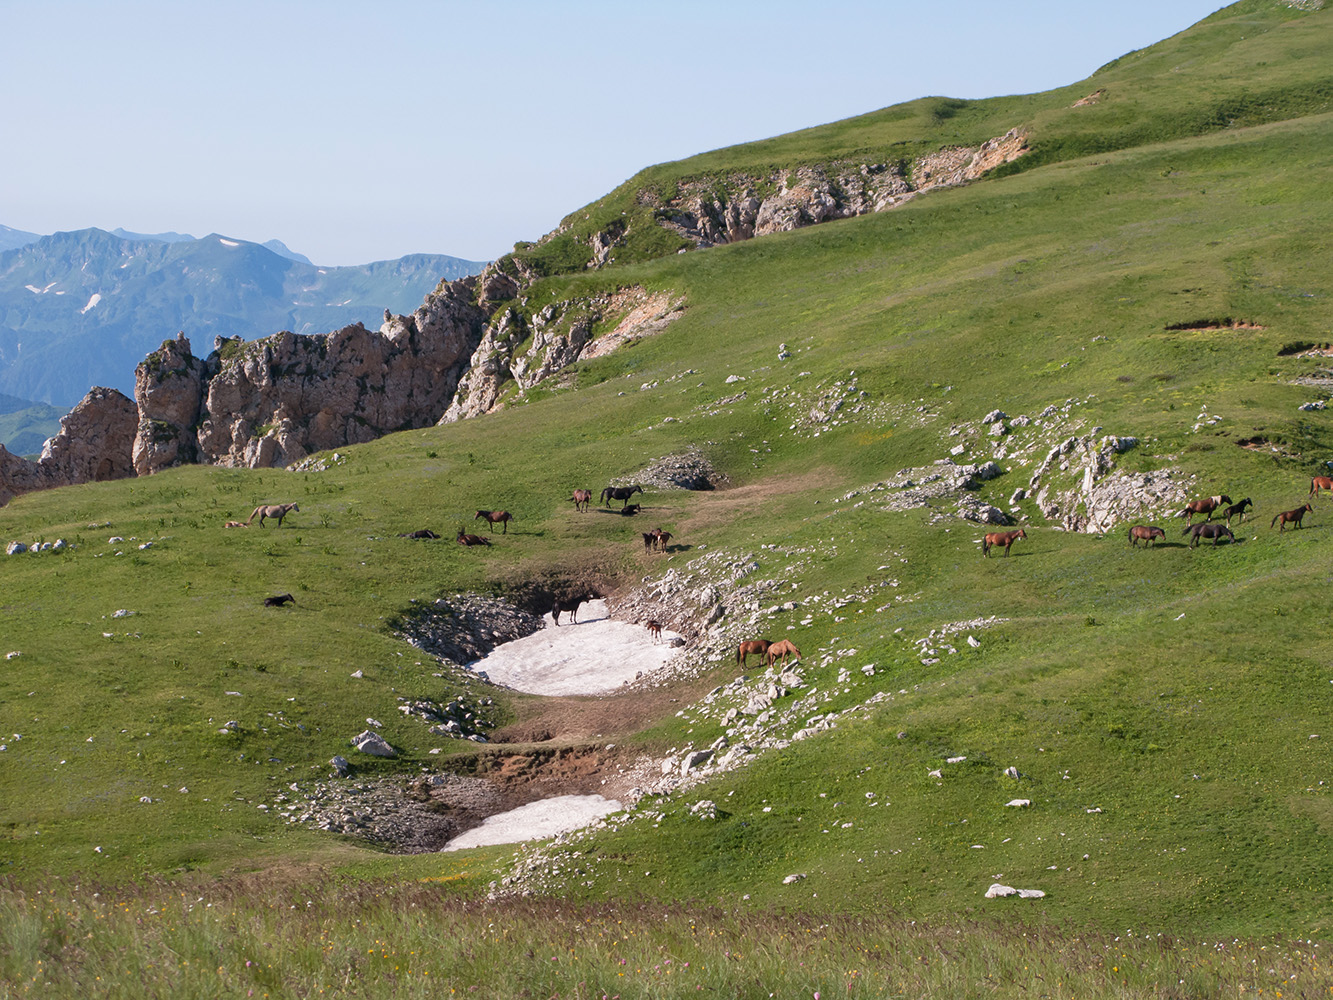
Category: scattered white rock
[1011,772]
[1019,803]
[792,878]
[15,549]
[122,613]
[954,760]
[358,673]
[973,642]
[14,655]
[373,744]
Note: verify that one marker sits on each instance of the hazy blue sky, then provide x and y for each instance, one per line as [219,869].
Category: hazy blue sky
[359,131]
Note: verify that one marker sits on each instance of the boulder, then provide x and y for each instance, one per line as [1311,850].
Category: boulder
[373,744]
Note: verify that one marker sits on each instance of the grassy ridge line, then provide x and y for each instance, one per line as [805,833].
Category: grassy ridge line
[911,302]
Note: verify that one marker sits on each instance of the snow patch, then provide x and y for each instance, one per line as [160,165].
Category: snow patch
[536,820]
[96,298]
[228,243]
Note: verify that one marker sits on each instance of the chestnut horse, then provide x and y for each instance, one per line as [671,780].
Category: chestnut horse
[757,646]
[1205,506]
[471,539]
[581,499]
[654,629]
[1146,534]
[1206,529]
[782,648]
[1005,538]
[494,517]
[1290,517]
[1320,483]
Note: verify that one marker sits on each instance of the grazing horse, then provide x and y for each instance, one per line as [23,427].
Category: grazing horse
[277,511]
[1320,483]
[570,604]
[1238,508]
[1005,538]
[581,499]
[759,647]
[1146,534]
[279,601]
[1207,529]
[423,533]
[1290,517]
[654,629]
[471,539]
[494,517]
[1205,506]
[619,493]
[782,649]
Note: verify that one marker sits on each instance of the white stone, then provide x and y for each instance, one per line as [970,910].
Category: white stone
[373,744]
[1019,802]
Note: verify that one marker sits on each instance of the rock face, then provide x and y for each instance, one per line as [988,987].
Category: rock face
[273,401]
[1099,496]
[560,333]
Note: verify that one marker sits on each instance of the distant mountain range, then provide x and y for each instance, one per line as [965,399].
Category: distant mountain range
[83,308]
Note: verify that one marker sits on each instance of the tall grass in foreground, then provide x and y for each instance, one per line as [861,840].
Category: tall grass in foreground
[244,939]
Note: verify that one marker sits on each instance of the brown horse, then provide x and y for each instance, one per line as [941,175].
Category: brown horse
[759,647]
[471,539]
[662,538]
[1206,529]
[1206,506]
[277,511]
[1005,538]
[1146,534]
[568,604]
[782,648]
[581,499]
[1320,483]
[494,517]
[1290,517]
[654,629]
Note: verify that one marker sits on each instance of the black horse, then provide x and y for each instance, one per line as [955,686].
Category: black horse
[619,493]
[1238,508]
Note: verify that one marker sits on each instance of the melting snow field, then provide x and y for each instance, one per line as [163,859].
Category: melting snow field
[536,821]
[593,656]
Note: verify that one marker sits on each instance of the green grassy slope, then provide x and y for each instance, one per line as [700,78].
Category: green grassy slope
[1184,693]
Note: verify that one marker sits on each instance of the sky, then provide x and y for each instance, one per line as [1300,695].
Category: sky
[357,131]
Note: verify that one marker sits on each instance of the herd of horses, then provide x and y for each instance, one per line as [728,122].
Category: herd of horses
[771,651]
[1216,530]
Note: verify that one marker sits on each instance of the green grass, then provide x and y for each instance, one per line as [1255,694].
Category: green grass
[1184,693]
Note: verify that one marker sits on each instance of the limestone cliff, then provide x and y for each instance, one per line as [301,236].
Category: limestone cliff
[94,444]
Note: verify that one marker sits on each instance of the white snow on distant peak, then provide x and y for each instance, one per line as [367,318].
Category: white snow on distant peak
[38,291]
[228,243]
[96,298]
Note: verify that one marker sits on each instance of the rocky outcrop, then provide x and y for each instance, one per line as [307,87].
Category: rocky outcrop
[1096,496]
[168,387]
[94,443]
[710,210]
[274,401]
[556,336]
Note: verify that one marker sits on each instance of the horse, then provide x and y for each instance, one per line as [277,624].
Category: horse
[649,540]
[279,601]
[1320,483]
[1205,506]
[1290,517]
[619,493]
[570,604]
[1207,529]
[237,524]
[782,649]
[471,539]
[423,533]
[581,499]
[654,629]
[494,517]
[1005,538]
[1146,534]
[1238,508]
[274,510]
[757,646]
[629,510]
[662,538]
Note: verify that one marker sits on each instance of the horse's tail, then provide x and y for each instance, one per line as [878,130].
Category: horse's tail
[254,514]
[1274,521]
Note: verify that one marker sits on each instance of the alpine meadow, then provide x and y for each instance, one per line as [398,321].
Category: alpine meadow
[1067,765]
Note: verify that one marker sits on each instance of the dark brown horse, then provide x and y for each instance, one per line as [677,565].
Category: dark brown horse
[1237,508]
[581,499]
[422,533]
[471,539]
[1005,538]
[782,649]
[758,647]
[494,517]
[654,629]
[567,604]
[1320,483]
[279,601]
[629,510]
[1208,529]
[1145,533]
[619,493]
[1206,506]
[1290,517]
